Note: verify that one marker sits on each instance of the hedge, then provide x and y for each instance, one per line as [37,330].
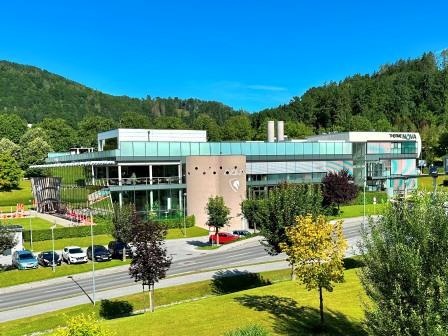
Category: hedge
[84,231]
[175,223]
[66,232]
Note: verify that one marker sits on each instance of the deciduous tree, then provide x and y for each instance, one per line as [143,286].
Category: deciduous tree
[316,249]
[10,172]
[338,188]
[150,261]
[284,203]
[12,127]
[406,268]
[7,240]
[7,146]
[217,212]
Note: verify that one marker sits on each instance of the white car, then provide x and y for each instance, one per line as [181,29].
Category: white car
[74,255]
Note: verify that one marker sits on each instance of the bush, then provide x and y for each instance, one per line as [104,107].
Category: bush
[113,309]
[66,232]
[83,325]
[251,330]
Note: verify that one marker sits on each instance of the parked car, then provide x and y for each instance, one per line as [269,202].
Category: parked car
[46,259]
[24,260]
[116,249]
[241,233]
[224,238]
[73,255]
[100,253]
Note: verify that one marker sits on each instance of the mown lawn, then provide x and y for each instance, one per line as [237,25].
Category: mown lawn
[349,211]
[283,308]
[21,195]
[36,223]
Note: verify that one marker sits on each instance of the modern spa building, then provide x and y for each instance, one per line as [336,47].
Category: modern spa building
[176,171]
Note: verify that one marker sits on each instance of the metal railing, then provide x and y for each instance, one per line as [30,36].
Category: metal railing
[136,181]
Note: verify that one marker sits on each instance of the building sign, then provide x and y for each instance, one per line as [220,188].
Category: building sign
[403,136]
[234,184]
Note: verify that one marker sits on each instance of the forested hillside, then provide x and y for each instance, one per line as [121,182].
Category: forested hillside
[410,95]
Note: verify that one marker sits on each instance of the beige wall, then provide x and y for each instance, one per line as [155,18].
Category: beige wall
[209,176]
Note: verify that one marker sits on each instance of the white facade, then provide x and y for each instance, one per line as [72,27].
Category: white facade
[134,134]
[371,137]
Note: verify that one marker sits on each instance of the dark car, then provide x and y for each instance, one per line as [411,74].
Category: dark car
[116,249]
[46,259]
[100,253]
[241,233]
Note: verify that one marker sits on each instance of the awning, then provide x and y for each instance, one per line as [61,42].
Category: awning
[75,164]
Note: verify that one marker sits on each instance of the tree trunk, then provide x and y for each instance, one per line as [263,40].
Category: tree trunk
[217,235]
[144,303]
[293,273]
[124,253]
[321,306]
[151,298]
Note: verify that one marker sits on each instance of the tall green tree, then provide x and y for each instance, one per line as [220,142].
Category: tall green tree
[61,136]
[217,212]
[134,120]
[238,128]
[7,146]
[170,123]
[406,269]
[34,153]
[207,123]
[10,172]
[33,133]
[12,127]
[90,126]
[284,203]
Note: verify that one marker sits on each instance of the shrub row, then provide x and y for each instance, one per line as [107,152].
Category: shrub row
[66,232]
[174,223]
[104,228]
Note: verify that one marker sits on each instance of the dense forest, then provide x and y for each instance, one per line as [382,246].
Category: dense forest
[409,95]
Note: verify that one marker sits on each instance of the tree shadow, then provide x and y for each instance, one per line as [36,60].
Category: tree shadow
[115,309]
[230,281]
[353,262]
[197,243]
[292,319]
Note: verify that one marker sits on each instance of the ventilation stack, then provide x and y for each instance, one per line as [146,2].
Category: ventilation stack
[271,131]
[280,131]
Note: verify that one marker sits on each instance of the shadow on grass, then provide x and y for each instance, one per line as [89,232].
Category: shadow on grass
[115,309]
[198,243]
[230,281]
[353,262]
[291,319]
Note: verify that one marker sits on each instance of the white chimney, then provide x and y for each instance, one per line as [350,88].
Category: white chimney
[271,131]
[280,131]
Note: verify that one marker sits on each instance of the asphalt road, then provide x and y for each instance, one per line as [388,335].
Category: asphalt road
[249,253]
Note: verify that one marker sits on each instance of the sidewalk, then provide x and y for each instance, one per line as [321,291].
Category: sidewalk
[123,291]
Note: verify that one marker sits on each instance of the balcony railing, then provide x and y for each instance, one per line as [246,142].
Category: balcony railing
[136,181]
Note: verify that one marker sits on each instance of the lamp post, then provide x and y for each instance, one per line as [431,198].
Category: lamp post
[185,225]
[52,240]
[93,258]
[31,231]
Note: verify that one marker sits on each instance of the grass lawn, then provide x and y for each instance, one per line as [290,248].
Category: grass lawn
[16,277]
[283,308]
[348,211]
[105,239]
[425,183]
[36,223]
[21,195]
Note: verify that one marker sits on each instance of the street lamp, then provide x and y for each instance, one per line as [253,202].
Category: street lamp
[185,225]
[93,258]
[31,230]
[52,240]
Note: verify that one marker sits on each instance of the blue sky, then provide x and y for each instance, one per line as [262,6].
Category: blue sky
[248,54]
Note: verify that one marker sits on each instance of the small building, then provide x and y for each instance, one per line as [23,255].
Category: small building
[172,172]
